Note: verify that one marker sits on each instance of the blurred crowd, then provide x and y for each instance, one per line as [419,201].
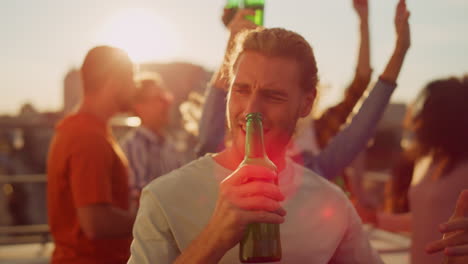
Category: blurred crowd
[170,190]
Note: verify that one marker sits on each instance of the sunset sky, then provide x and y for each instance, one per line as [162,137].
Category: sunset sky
[42,40]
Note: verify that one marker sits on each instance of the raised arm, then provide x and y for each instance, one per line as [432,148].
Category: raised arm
[333,119]
[212,122]
[235,26]
[91,182]
[94,221]
[350,141]
[403,43]
[363,68]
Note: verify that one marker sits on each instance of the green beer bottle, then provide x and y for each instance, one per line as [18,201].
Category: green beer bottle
[230,10]
[259,7]
[261,241]
[232,4]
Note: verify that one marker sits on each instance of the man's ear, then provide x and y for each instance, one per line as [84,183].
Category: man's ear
[308,102]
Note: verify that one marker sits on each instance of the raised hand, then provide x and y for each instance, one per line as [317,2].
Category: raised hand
[235,25]
[240,23]
[455,239]
[247,196]
[403,42]
[402,26]
[362,8]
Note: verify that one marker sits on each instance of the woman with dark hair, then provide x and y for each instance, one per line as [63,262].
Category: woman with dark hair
[439,121]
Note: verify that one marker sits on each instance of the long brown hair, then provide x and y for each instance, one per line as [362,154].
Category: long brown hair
[440,122]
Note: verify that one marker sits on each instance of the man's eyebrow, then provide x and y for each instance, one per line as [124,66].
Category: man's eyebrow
[241,84]
[275,92]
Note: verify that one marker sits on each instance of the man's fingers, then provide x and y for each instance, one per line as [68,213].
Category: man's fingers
[256,188]
[399,6]
[454,225]
[241,14]
[361,2]
[257,203]
[240,22]
[263,217]
[249,173]
[404,18]
[401,9]
[250,25]
[456,251]
[280,211]
[246,12]
[258,173]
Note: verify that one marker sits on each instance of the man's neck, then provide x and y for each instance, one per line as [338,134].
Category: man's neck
[97,109]
[228,159]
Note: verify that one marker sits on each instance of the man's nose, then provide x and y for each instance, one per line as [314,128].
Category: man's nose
[253,104]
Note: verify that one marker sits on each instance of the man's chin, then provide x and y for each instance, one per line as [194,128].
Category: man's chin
[275,150]
[237,145]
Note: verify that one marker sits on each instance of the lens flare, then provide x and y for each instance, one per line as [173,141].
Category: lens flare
[142,33]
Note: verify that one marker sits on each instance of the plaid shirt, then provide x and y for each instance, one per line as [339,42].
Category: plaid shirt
[149,157]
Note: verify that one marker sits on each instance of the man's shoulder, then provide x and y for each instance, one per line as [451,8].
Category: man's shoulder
[195,173]
[313,182]
[80,128]
[71,139]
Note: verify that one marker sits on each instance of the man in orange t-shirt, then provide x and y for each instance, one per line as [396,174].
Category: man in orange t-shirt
[88,194]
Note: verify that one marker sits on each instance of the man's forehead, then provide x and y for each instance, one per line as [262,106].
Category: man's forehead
[259,67]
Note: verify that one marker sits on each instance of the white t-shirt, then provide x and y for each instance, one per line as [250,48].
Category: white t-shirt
[321,225]
[432,202]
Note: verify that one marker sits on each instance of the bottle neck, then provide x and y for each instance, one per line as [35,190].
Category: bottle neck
[254,145]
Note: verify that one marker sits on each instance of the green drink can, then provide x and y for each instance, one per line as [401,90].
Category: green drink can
[259,7]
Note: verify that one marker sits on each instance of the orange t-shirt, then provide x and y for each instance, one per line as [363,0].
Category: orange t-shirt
[85,167]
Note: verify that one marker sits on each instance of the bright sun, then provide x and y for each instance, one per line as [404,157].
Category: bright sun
[143,34]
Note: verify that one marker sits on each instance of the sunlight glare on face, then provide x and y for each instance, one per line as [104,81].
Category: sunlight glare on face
[142,33]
